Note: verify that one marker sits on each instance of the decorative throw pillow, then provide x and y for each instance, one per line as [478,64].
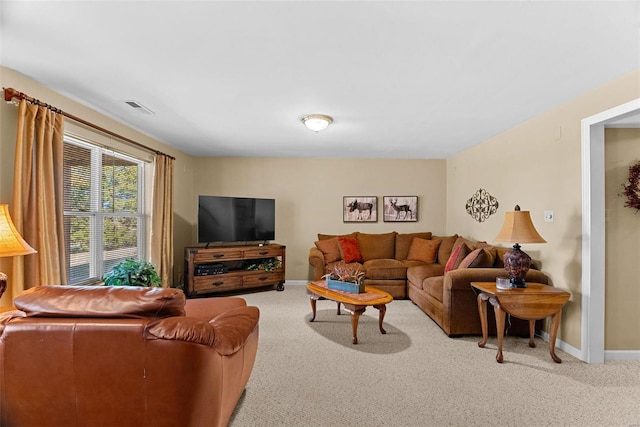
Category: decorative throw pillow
[424,250]
[491,252]
[456,257]
[349,249]
[330,248]
[478,258]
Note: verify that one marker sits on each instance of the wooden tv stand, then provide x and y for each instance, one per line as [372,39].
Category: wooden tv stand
[219,269]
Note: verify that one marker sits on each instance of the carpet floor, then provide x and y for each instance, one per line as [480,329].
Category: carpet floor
[309,374]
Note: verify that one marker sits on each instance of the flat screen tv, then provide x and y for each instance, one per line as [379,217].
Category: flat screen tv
[235,219]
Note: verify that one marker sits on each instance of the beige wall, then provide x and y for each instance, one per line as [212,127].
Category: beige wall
[8,117]
[309,193]
[622,231]
[538,166]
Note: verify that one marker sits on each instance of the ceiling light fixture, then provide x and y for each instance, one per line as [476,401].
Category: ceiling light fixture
[316,122]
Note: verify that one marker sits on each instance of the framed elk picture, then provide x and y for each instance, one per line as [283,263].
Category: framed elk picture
[400,208]
[360,209]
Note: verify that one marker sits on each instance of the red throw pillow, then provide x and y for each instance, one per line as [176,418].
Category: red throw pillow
[349,249]
[456,257]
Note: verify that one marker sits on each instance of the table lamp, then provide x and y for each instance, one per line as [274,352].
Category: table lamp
[518,228]
[11,243]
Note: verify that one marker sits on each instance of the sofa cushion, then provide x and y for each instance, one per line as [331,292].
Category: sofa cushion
[377,246]
[410,263]
[331,236]
[349,249]
[499,261]
[424,250]
[330,248]
[418,273]
[404,240]
[477,258]
[492,251]
[385,269]
[433,286]
[456,257]
[446,247]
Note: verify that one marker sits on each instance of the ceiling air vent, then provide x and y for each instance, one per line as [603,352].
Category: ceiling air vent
[139,107]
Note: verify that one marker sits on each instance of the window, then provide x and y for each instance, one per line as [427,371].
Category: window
[103,209]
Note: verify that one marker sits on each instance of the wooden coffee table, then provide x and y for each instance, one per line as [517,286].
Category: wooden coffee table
[534,302]
[355,304]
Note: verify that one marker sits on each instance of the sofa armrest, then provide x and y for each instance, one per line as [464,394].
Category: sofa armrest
[208,308]
[180,328]
[461,278]
[316,260]
[226,333]
[233,328]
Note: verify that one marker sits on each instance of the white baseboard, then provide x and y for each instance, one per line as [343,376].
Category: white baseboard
[567,348]
[608,354]
[296,282]
[622,355]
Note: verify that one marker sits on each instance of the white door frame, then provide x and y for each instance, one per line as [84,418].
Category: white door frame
[593,235]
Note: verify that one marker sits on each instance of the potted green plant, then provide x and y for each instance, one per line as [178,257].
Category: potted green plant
[133,272]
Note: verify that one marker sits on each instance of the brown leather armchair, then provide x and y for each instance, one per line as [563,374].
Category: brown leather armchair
[123,356]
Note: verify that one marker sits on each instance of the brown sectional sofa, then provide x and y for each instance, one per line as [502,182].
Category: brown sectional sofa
[447,298]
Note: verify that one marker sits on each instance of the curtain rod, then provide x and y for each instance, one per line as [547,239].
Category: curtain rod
[10,94]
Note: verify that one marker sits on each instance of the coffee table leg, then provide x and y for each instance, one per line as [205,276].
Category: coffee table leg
[383,310]
[354,326]
[355,316]
[313,300]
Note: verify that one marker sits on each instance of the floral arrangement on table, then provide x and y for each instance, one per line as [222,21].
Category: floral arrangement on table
[346,277]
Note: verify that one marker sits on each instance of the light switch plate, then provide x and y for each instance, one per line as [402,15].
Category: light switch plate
[548,216]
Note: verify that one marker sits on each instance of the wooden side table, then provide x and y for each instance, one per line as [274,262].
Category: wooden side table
[532,303]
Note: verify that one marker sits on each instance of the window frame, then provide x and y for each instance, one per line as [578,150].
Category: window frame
[97,215]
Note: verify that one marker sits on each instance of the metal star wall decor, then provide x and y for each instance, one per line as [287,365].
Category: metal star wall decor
[481,205]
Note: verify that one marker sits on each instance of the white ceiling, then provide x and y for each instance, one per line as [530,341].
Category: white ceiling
[416,79]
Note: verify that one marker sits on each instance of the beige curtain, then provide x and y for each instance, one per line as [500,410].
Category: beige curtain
[162,219]
[37,209]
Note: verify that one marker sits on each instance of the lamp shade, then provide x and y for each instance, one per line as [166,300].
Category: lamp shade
[11,243]
[518,228]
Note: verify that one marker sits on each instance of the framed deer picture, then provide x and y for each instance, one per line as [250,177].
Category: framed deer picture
[360,209]
[400,208]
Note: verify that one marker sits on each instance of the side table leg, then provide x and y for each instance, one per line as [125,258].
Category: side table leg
[500,329]
[532,332]
[383,310]
[554,334]
[482,309]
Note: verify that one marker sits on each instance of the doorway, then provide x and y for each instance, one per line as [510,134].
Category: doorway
[593,219]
